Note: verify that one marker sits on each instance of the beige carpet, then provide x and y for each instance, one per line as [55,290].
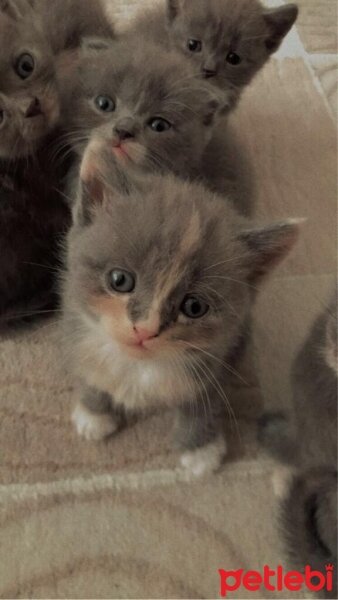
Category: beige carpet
[119,519]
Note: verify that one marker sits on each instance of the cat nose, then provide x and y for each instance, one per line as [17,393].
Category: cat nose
[125,129]
[209,73]
[142,334]
[34,109]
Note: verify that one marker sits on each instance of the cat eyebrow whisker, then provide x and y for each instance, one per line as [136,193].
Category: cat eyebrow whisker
[223,262]
[231,279]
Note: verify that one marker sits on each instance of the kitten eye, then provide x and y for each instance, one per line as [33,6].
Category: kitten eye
[24,66]
[194,308]
[121,281]
[105,103]
[159,125]
[194,45]
[233,59]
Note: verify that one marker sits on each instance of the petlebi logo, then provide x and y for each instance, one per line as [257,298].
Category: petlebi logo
[276,580]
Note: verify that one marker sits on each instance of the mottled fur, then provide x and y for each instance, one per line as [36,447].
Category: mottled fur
[178,240]
[221,27]
[308,441]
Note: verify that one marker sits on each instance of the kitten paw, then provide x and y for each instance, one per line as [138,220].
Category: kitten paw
[91,426]
[206,459]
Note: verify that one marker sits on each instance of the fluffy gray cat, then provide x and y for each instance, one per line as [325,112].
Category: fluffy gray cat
[160,277]
[228,41]
[152,111]
[307,441]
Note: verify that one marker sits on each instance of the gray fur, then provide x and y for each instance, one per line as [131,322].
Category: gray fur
[243,27]
[307,439]
[158,222]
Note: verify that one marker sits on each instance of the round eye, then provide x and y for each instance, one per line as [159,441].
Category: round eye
[194,308]
[24,66]
[105,104]
[194,45]
[233,59]
[159,125]
[121,281]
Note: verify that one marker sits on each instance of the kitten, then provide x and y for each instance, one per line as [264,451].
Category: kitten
[160,277]
[67,22]
[33,219]
[145,102]
[155,113]
[29,101]
[308,442]
[228,41]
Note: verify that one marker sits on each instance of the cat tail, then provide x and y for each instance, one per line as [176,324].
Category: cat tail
[277,437]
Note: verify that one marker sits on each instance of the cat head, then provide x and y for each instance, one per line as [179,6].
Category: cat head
[164,268]
[228,41]
[29,106]
[146,103]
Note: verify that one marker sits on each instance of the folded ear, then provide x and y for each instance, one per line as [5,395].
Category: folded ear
[174,7]
[279,21]
[268,246]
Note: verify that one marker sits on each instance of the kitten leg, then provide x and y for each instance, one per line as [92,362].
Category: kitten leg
[93,416]
[197,433]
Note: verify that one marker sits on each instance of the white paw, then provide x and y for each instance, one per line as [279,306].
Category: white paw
[206,459]
[93,427]
[281,481]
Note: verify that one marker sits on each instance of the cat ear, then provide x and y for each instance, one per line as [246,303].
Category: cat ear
[268,246]
[174,7]
[15,9]
[279,21]
[92,44]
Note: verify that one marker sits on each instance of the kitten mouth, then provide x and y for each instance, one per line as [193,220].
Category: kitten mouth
[119,150]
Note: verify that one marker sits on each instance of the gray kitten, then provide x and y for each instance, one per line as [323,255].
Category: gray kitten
[33,36]
[228,41]
[309,442]
[160,278]
[152,110]
[29,102]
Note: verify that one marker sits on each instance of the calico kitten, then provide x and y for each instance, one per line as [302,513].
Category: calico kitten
[160,278]
[228,41]
[309,443]
[29,101]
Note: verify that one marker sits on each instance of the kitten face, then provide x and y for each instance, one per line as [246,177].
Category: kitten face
[146,104]
[163,269]
[227,40]
[29,106]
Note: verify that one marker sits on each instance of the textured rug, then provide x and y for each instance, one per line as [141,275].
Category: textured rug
[120,519]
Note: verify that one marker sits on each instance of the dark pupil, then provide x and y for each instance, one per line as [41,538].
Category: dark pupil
[104,103]
[159,126]
[195,307]
[119,279]
[233,58]
[194,45]
[26,66]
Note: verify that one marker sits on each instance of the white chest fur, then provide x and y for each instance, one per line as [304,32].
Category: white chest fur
[136,384]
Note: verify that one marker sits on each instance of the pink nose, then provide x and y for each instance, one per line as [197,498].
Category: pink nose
[142,335]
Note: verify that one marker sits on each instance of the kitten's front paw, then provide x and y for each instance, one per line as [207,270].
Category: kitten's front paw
[93,427]
[206,459]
